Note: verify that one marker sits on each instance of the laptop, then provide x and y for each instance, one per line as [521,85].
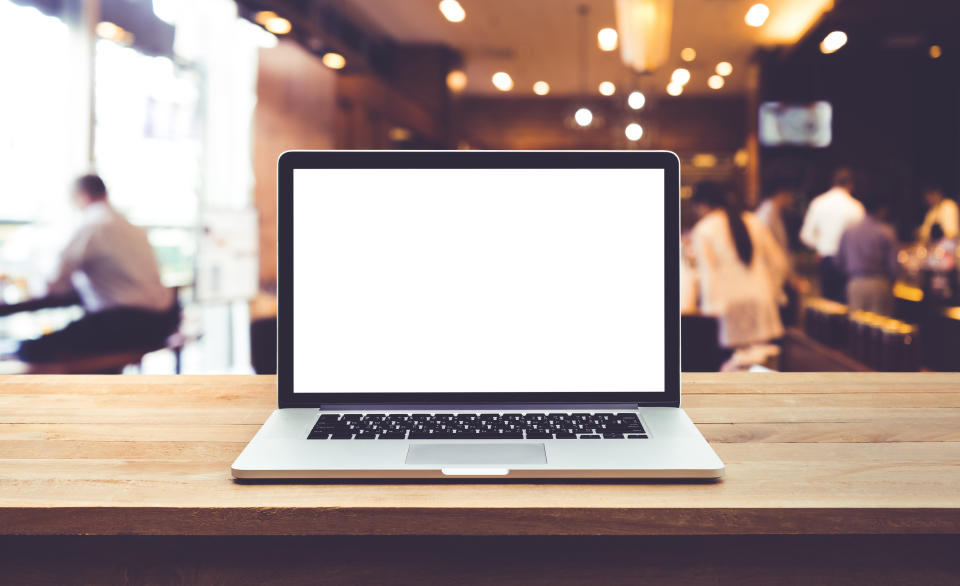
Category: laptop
[472,314]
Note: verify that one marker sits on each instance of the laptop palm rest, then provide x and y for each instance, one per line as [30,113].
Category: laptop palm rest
[473,454]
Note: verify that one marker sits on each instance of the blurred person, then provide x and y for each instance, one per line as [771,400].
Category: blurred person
[741,269]
[110,265]
[867,255]
[688,276]
[943,211]
[941,262]
[780,197]
[940,250]
[828,216]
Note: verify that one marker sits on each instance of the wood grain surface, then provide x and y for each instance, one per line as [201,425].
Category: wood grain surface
[821,453]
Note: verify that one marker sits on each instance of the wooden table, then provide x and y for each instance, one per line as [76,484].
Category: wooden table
[852,477]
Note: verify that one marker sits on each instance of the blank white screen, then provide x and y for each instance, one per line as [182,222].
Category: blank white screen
[520,280]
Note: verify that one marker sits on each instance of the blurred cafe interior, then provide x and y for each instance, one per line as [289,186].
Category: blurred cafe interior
[819,143]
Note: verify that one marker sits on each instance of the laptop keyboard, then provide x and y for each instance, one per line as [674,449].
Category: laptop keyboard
[486,426]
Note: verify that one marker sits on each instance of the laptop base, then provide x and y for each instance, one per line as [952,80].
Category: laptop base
[675,449]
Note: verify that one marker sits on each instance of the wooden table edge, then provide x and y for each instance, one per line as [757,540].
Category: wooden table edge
[371,521]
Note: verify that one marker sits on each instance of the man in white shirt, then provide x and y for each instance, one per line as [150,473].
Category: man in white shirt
[110,265]
[828,216]
[942,211]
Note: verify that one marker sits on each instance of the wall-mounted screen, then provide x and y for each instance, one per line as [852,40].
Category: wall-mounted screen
[804,125]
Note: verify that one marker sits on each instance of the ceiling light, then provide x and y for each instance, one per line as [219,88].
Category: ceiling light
[277,25]
[502,81]
[757,15]
[833,42]
[334,60]
[715,82]
[108,30]
[633,131]
[688,54]
[636,100]
[583,116]
[741,158]
[456,81]
[935,51]
[263,16]
[680,76]
[704,160]
[116,33]
[790,21]
[724,68]
[452,10]
[607,39]
[399,134]
[644,27]
[607,88]
[541,88]
[674,88]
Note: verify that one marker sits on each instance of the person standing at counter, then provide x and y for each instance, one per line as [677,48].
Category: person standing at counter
[110,264]
[828,216]
[867,254]
[942,211]
[741,269]
[779,199]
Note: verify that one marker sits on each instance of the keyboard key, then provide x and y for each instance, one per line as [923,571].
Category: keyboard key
[539,435]
[612,435]
[422,435]
[590,436]
[392,435]
[636,436]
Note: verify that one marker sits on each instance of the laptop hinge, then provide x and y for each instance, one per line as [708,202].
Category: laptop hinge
[471,406]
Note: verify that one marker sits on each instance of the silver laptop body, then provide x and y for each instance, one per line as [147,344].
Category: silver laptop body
[471,314]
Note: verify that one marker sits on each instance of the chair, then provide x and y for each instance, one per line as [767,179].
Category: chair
[101,362]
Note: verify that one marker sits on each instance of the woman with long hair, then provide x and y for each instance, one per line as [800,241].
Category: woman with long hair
[740,267]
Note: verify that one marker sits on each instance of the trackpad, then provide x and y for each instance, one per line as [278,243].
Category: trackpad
[473,454]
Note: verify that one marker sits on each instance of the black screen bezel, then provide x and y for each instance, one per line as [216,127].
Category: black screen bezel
[291,160]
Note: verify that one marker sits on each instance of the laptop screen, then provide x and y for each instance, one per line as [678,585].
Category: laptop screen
[478,280]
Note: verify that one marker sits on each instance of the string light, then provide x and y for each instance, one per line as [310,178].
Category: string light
[583,116]
[757,15]
[502,81]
